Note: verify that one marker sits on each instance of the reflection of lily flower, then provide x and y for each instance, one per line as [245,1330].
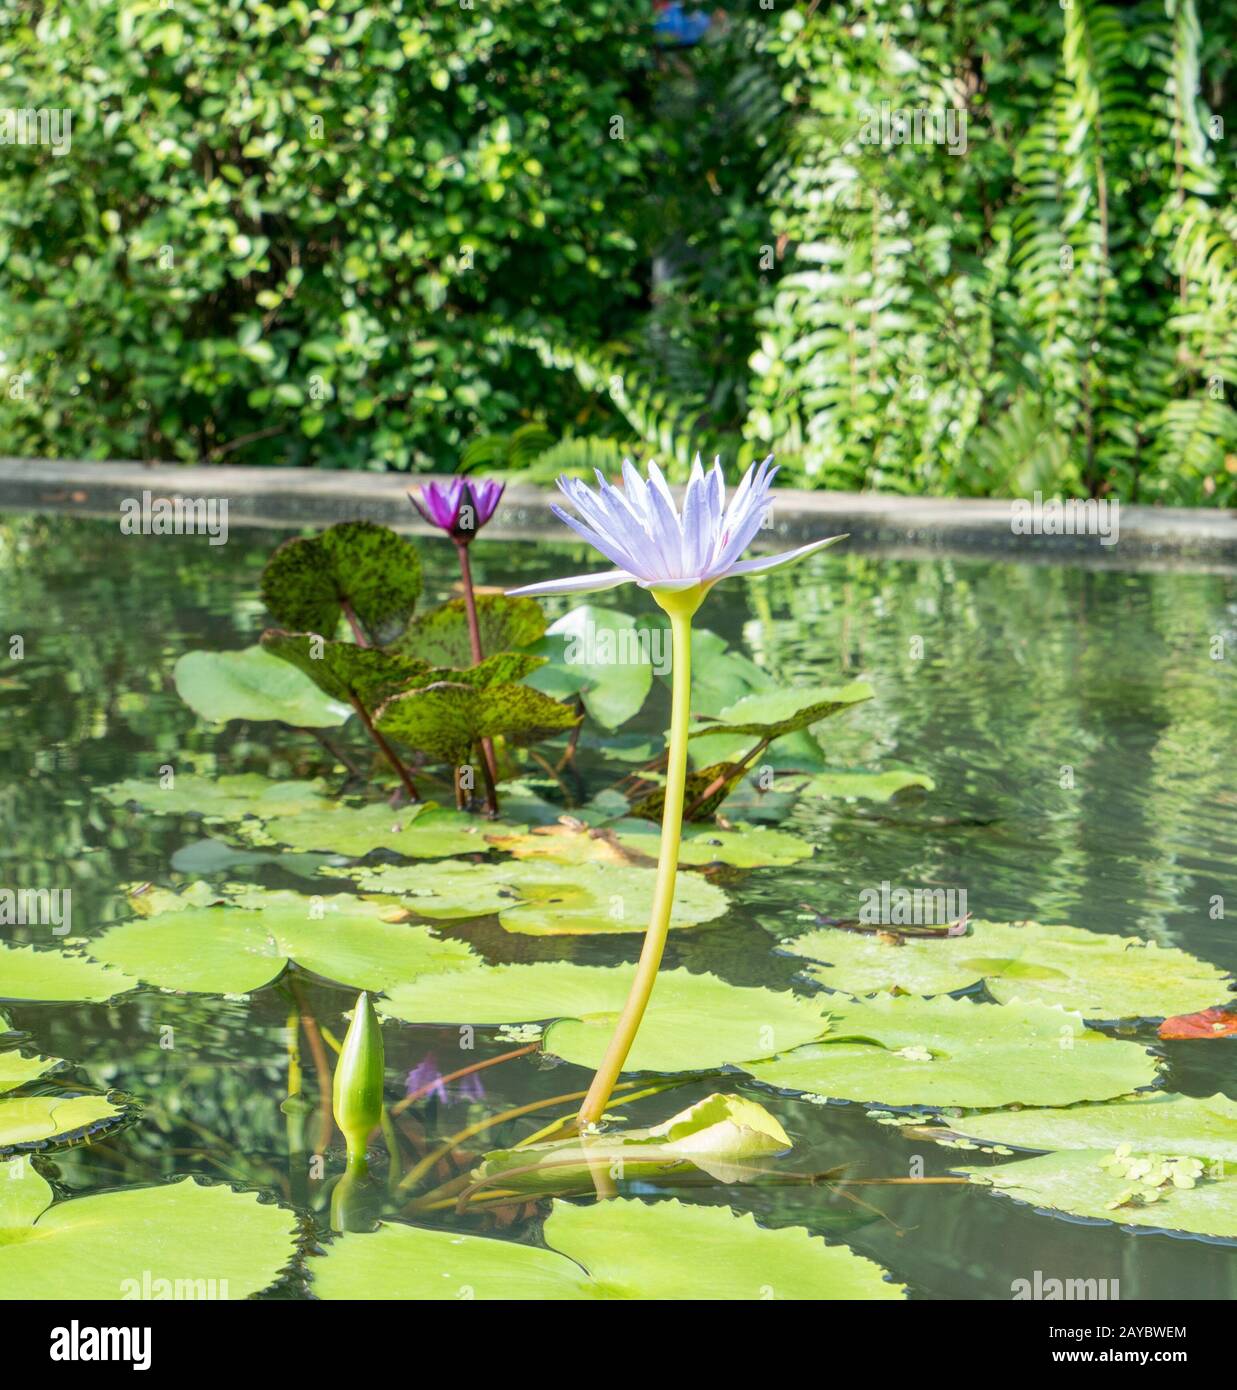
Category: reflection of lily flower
[461,507]
[641,530]
[426,1082]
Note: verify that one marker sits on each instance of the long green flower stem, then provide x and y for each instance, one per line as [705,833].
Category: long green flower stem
[680,606]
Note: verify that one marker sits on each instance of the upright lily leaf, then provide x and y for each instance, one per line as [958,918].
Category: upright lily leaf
[343,670]
[723,1136]
[622,1249]
[1138,1190]
[772,713]
[694,1022]
[181,1241]
[53,975]
[1098,975]
[448,719]
[238,948]
[441,635]
[355,565]
[707,788]
[251,684]
[604,655]
[946,1052]
[1161,1122]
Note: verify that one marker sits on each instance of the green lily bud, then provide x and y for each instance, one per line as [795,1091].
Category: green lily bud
[358,1081]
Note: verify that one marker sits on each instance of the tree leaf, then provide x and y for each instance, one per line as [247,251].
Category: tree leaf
[308,580]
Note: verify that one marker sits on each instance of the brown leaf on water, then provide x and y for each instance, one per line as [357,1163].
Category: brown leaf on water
[1209,1023]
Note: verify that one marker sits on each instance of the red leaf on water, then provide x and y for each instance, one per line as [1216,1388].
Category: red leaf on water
[1210,1023]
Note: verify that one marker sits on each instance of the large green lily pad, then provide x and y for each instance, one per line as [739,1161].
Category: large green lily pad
[252,684]
[618,1249]
[1099,976]
[954,1052]
[417,832]
[307,581]
[1087,1183]
[240,947]
[228,798]
[723,1136]
[32,1122]
[447,719]
[772,713]
[539,898]
[1162,1122]
[182,1241]
[441,635]
[694,1022]
[55,975]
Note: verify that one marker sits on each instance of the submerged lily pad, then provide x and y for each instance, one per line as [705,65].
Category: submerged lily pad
[1099,976]
[441,636]
[947,1052]
[229,798]
[694,1022]
[369,568]
[241,947]
[1162,1122]
[182,1241]
[417,831]
[539,898]
[868,786]
[56,976]
[722,1136]
[1086,1183]
[252,684]
[619,1249]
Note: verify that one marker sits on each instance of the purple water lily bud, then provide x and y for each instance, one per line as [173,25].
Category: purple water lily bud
[461,507]
[639,528]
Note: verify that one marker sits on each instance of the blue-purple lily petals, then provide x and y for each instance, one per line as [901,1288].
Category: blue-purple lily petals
[639,529]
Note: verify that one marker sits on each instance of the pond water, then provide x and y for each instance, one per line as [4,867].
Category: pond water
[1076,725]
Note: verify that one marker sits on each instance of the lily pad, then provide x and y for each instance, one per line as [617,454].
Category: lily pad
[375,572]
[252,684]
[448,718]
[868,786]
[238,948]
[33,1122]
[181,1241]
[1082,1183]
[56,976]
[417,831]
[723,1136]
[1162,1122]
[1102,977]
[343,671]
[538,898]
[441,635]
[632,841]
[773,713]
[16,1070]
[229,798]
[693,1023]
[619,1249]
[604,655]
[954,1052]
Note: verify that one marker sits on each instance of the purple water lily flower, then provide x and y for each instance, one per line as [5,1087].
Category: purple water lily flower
[461,507]
[428,1083]
[655,545]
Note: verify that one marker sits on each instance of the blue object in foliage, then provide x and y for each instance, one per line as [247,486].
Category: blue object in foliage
[674,25]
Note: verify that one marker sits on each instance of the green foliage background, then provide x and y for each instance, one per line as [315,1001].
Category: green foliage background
[525,235]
